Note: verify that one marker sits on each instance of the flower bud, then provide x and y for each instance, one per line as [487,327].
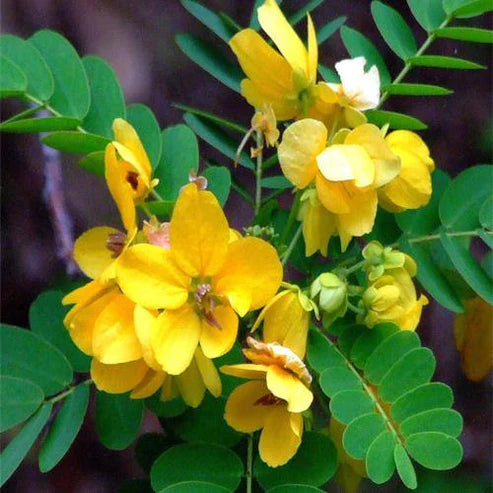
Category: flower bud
[378,259]
[332,296]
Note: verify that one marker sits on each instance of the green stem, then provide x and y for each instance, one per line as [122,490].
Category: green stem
[249,471]
[408,66]
[258,173]
[156,195]
[291,246]
[25,113]
[354,268]
[67,392]
[293,214]
[355,309]
[273,195]
[436,236]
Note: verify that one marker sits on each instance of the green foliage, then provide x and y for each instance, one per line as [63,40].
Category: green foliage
[473,34]
[208,463]
[314,464]
[75,142]
[118,419]
[219,182]
[327,30]
[36,125]
[439,61]
[405,89]
[429,13]
[395,120]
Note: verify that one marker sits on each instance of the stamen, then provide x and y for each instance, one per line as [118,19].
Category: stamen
[268,400]
[115,243]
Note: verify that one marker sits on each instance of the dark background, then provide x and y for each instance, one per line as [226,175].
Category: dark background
[137,39]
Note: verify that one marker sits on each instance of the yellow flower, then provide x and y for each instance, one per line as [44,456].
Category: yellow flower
[265,121]
[286,318]
[412,188]
[128,171]
[346,174]
[392,298]
[273,401]
[287,80]
[201,282]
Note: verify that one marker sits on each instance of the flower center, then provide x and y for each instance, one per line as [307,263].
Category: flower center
[205,303]
[133,179]
[268,400]
[115,243]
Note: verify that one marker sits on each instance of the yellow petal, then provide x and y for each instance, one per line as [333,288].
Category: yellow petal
[169,390]
[209,373]
[347,162]
[148,275]
[199,232]
[301,142]
[284,36]
[278,442]
[119,188]
[114,337]
[250,276]
[131,148]
[214,341]
[119,378]
[246,370]
[404,139]
[90,251]
[243,412]
[270,304]
[312,50]
[333,195]
[144,322]
[191,385]
[289,388]
[149,385]
[175,339]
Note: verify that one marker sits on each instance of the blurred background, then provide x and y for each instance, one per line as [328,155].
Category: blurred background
[137,39]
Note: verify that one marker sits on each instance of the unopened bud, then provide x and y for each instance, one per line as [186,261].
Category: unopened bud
[332,295]
[378,259]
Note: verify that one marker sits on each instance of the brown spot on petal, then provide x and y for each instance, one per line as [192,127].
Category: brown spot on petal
[115,243]
[133,179]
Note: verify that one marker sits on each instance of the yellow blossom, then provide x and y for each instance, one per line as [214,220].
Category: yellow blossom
[412,188]
[273,401]
[346,174]
[392,298]
[202,282]
[284,80]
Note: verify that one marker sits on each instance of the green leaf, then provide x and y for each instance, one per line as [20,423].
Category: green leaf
[75,142]
[321,353]
[394,30]
[431,277]
[405,468]
[276,182]
[107,102]
[196,462]
[359,45]
[294,488]
[328,75]
[360,433]
[468,267]
[39,79]
[211,60]
[425,219]
[165,409]
[217,138]
[180,155]
[444,62]
[428,396]
[473,34]
[470,8]
[434,450]
[147,127]
[413,369]
[300,14]
[19,398]
[350,404]
[222,122]
[149,447]
[71,96]
[190,425]
[160,207]
[388,353]
[327,30]
[118,419]
[65,428]
[429,13]
[13,81]
[395,120]
[443,420]
[338,378]
[93,163]
[46,315]
[209,19]
[380,464]
[27,355]
[195,487]
[368,341]
[13,454]
[219,182]
[486,213]
[314,464]
[487,237]
[487,263]
[406,89]
[36,125]
[254,24]
[135,486]
[232,357]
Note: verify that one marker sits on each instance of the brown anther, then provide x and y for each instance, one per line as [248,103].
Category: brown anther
[133,179]
[200,181]
[115,243]
[268,400]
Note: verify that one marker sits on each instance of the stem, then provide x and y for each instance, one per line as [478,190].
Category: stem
[242,145]
[291,246]
[354,268]
[408,66]
[273,195]
[293,213]
[354,308]
[249,473]
[67,392]
[258,181]
[436,236]
[156,195]
[25,113]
